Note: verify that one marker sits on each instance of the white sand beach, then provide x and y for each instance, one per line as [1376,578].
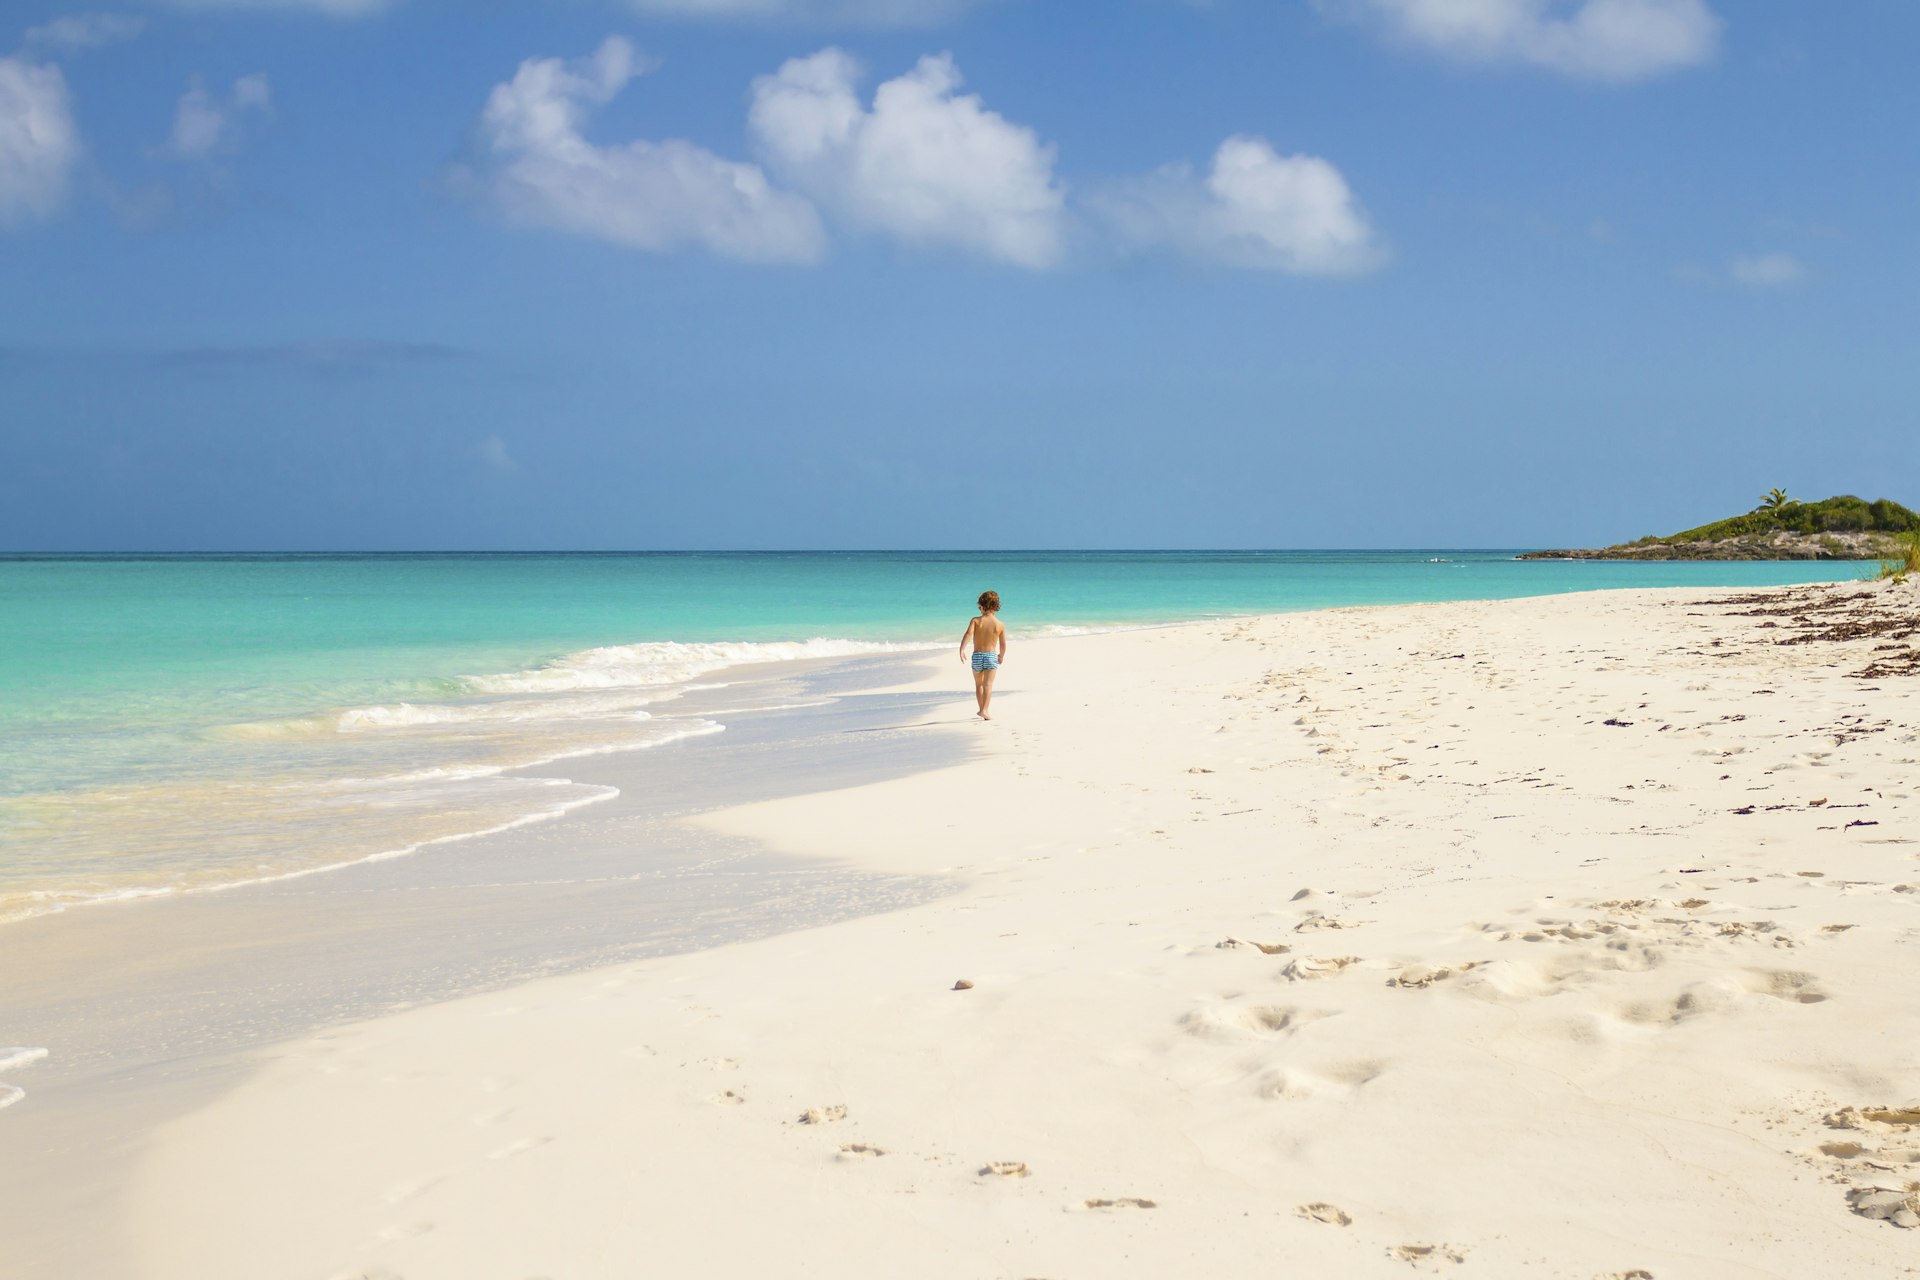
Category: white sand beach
[1567,937]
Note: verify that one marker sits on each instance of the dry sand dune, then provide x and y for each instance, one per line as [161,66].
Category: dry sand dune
[1570,937]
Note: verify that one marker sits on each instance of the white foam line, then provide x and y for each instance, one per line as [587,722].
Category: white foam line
[13,1060]
[61,903]
[387,855]
[16,1058]
[779,706]
[706,728]
[655,663]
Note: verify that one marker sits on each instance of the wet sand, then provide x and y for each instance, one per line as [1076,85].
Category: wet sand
[150,1008]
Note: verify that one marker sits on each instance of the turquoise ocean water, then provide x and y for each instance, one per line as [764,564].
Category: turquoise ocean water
[181,722]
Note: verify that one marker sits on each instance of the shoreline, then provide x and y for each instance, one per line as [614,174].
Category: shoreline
[748,663]
[1432,873]
[574,672]
[149,1008]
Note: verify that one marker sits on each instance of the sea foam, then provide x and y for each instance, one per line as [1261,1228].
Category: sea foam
[628,666]
[14,1060]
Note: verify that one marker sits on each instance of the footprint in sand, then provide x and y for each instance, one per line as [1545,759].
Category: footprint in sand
[1334,1080]
[1895,1202]
[860,1151]
[1635,1274]
[727,1098]
[401,1192]
[1873,1117]
[1264,948]
[1327,1213]
[1004,1169]
[823,1115]
[1419,976]
[1417,1254]
[1722,995]
[1785,984]
[1261,1021]
[1756,930]
[1123,1202]
[1312,968]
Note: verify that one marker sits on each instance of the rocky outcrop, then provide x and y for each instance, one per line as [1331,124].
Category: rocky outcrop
[1764,546]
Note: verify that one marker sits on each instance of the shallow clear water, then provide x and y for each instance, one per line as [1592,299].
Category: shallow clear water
[185,721]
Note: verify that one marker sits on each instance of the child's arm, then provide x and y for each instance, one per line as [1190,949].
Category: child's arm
[964,637]
[1003,640]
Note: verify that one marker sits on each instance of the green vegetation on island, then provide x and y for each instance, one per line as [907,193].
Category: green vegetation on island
[1904,558]
[1780,528]
[1844,514]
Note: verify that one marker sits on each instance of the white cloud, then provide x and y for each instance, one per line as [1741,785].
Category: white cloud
[1592,39]
[1768,271]
[253,92]
[541,171]
[924,164]
[921,163]
[494,453]
[1255,208]
[1757,272]
[331,8]
[870,13]
[39,143]
[203,124]
[876,13]
[72,32]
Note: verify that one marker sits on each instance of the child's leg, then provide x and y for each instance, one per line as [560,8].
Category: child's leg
[980,679]
[986,694]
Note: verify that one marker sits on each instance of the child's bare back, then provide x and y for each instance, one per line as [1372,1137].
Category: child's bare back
[985,631]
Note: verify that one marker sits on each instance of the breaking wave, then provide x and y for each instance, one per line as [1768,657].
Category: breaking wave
[659,663]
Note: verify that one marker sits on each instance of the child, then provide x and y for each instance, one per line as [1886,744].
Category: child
[988,637]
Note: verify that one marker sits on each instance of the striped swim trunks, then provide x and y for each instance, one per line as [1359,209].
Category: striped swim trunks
[985,661]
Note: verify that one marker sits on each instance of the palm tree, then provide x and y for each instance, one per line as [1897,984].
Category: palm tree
[1775,500]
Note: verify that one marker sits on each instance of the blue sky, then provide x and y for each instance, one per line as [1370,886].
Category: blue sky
[908,273]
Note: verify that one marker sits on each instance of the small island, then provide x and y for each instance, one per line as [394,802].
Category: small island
[1780,528]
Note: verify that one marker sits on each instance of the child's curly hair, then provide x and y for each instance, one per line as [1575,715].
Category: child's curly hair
[989,602]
